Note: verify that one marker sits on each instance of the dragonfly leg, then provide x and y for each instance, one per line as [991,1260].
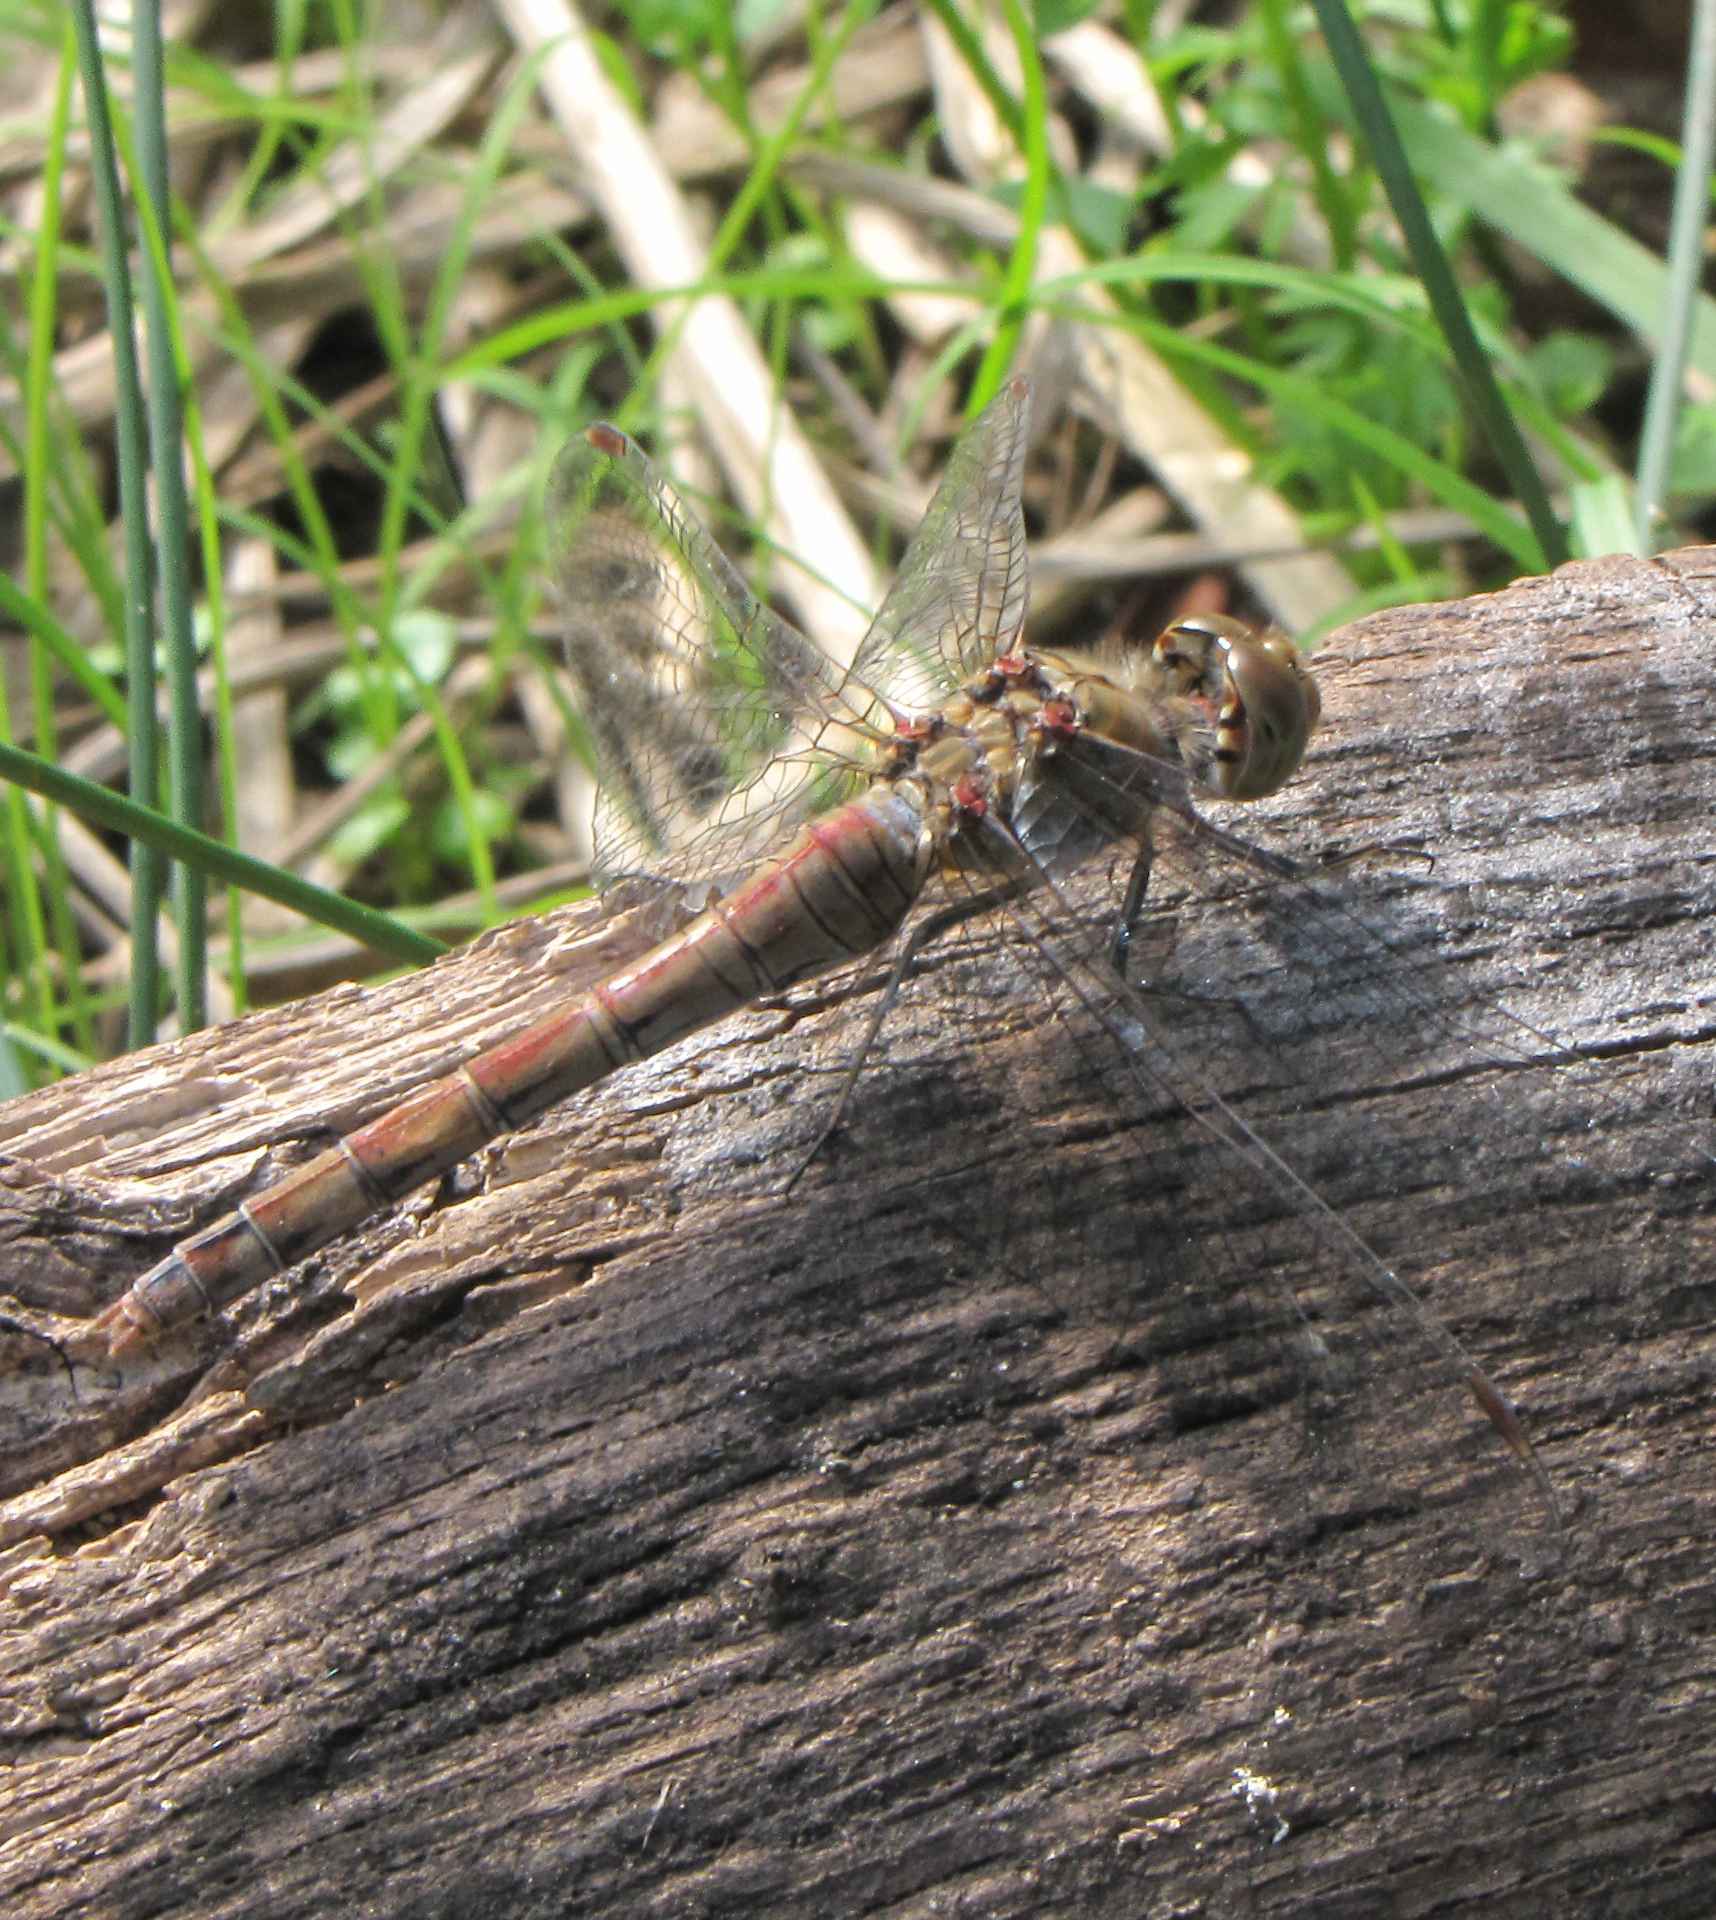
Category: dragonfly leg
[9,1325]
[1263,860]
[928,930]
[1121,953]
[1132,905]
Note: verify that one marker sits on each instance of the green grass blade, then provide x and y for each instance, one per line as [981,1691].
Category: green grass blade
[1686,257]
[213,858]
[1022,262]
[13,1078]
[1442,482]
[168,374]
[26,611]
[147,869]
[1603,517]
[761,176]
[1369,108]
[1518,196]
[43,287]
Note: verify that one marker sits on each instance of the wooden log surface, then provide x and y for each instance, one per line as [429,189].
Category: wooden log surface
[609,1532]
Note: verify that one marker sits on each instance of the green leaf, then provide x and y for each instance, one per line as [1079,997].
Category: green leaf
[104,808]
[1693,470]
[1520,196]
[369,829]
[450,830]
[1603,520]
[429,641]
[1055,16]
[1572,370]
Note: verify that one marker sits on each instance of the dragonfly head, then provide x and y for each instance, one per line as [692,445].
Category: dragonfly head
[1259,694]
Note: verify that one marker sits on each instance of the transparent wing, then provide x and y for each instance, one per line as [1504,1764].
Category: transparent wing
[716,724]
[1226,1203]
[1349,1111]
[1254,1212]
[959,597]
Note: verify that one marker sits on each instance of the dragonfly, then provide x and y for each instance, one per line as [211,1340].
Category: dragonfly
[772,818]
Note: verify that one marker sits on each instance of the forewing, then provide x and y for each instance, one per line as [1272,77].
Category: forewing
[714,721]
[1345,1109]
[1223,1195]
[959,596]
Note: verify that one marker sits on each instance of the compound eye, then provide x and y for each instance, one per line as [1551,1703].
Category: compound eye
[1279,706]
[1262,698]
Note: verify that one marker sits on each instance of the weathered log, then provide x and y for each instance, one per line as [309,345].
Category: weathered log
[646,1540]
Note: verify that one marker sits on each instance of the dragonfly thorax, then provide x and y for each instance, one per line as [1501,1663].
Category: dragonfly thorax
[965,760]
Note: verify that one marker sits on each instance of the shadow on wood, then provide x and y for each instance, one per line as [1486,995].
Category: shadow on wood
[642,1541]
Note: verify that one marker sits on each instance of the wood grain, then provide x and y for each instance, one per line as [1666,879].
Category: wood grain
[608,1533]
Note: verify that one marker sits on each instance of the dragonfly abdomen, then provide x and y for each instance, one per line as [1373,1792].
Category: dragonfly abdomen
[425,1135]
[840,889]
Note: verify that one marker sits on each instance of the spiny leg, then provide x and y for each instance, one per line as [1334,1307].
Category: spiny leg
[929,929]
[10,1325]
[1132,902]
